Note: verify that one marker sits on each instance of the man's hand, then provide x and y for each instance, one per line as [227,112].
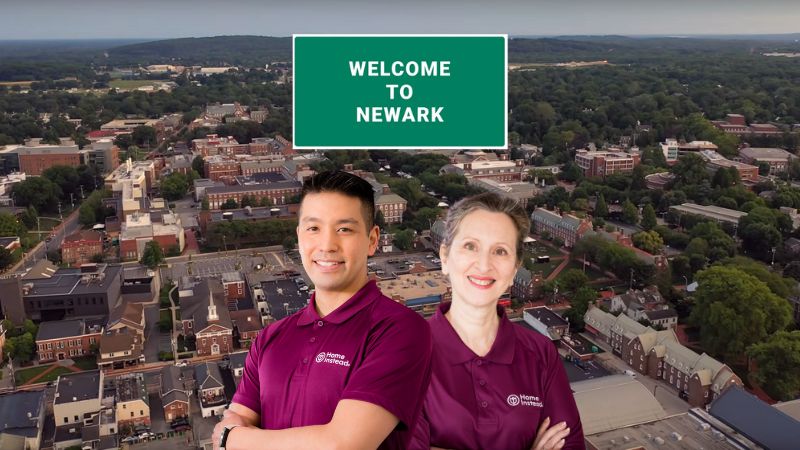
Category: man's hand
[552,438]
[228,418]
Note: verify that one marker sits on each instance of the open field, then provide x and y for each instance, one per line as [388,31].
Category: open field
[132,84]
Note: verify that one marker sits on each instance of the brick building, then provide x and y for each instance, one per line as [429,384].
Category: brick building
[527,285]
[219,168]
[234,288]
[568,228]
[56,341]
[247,325]
[779,160]
[278,193]
[658,354]
[602,163]
[715,161]
[736,124]
[503,171]
[174,393]
[205,315]
[79,247]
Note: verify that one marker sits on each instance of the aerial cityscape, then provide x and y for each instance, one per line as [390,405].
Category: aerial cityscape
[150,197]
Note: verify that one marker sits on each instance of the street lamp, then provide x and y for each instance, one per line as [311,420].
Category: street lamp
[773,256]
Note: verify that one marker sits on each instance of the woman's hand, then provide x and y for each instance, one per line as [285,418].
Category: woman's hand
[552,438]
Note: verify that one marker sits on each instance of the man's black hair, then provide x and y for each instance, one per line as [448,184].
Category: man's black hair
[347,184]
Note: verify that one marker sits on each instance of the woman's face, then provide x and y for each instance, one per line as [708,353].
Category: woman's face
[481,262]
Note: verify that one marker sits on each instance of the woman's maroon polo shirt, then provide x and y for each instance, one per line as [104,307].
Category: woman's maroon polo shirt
[497,401]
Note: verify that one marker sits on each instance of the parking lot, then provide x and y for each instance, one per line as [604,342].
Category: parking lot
[222,263]
[391,265]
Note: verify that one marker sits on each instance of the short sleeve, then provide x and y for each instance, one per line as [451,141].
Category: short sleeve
[396,368]
[560,402]
[248,392]
[421,438]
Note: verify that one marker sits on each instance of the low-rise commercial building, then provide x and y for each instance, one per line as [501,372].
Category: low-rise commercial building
[601,163]
[80,247]
[779,160]
[59,340]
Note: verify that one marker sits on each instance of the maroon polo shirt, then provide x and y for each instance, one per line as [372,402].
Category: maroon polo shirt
[370,349]
[497,401]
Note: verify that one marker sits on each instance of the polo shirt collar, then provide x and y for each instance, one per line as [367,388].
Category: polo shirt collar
[365,296]
[456,352]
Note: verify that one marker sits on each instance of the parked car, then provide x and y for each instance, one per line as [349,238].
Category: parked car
[182,428]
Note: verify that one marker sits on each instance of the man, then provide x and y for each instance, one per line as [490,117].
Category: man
[348,371]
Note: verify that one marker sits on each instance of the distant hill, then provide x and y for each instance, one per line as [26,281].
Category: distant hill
[250,51]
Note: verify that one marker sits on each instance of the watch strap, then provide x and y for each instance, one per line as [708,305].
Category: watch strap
[223,440]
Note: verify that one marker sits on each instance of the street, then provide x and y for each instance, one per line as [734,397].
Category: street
[70,225]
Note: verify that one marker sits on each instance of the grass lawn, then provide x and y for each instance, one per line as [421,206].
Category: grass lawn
[590,272]
[546,268]
[24,375]
[132,84]
[86,362]
[540,249]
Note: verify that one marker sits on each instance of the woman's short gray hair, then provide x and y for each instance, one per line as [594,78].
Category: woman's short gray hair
[491,202]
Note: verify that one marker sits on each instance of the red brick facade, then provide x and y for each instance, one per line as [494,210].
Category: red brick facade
[80,247]
[37,163]
[66,348]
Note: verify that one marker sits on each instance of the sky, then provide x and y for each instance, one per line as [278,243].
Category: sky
[155,19]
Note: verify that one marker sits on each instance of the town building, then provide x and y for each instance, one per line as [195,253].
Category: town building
[568,228]
[78,396]
[601,163]
[237,362]
[502,171]
[174,393]
[246,325]
[139,229]
[66,339]
[120,349]
[719,214]
[210,389]
[779,160]
[659,355]
[200,186]
[736,124]
[205,315]
[278,193]
[546,321]
[80,247]
[715,161]
[131,399]
[22,420]
[527,285]
[645,305]
[418,291]
[130,184]
[219,168]
[659,180]
[521,191]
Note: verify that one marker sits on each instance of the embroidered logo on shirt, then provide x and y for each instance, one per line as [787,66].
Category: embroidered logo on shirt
[524,400]
[332,358]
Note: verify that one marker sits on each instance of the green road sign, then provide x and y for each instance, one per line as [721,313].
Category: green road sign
[400,91]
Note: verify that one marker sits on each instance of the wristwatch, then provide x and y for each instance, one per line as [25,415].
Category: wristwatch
[226,431]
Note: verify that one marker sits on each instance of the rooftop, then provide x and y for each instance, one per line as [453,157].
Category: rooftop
[79,386]
[130,387]
[613,402]
[766,154]
[74,282]
[415,285]
[759,422]
[19,413]
[715,212]
[60,329]
[545,315]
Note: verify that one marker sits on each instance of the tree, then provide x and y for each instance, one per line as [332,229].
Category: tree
[735,310]
[175,186]
[65,177]
[601,208]
[6,258]
[778,364]
[38,192]
[763,168]
[9,225]
[629,213]
[579,304]
[572,279]
[648,217]
[199,165]
[380,220]
[649,241]
[152,255]
[204,206]
[403,239]
[144,136]
[230,204]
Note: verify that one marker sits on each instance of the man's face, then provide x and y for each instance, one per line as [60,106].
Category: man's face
[334,244]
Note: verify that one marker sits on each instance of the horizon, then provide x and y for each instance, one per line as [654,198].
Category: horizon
[171,19]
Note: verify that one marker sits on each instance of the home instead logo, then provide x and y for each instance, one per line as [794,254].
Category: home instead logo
[524,400]
[332,358]
[400,91]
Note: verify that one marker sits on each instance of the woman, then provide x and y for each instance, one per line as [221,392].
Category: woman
[495,385]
